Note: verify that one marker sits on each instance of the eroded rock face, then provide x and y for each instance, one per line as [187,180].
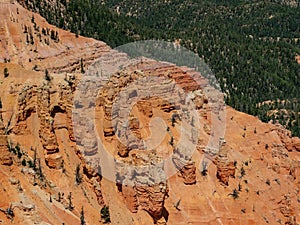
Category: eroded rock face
[140,174]
[186,167]
[26,107]
[115,100]
[287,209]
[145,107]
[54,161]
[5,157]
[152,199]
[94,178]
[52,103]
[139,187]
[291,143]
[142,182]
[225,168]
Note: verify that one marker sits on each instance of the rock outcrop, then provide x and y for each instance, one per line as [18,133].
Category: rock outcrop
[142,182]
[225,168]
[5,157]
[52,102]
[291,143]
[185,165]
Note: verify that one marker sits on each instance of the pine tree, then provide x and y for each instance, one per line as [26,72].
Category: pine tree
[78,177]
[82,220]
[81,66]
[47,75]
[6,73]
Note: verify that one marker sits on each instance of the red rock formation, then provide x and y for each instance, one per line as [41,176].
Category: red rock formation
[151,199]
[225,168]
[291,143]
[187,170]
[225,171]
[268,192]
[5,157]
[142,183]
[145,107]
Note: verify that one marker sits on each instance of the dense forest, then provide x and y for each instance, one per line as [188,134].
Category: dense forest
[249,45]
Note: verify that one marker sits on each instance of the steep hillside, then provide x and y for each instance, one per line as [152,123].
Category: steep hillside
[250,45]
[38,161]
[40,182]
[52,141]
[28,40]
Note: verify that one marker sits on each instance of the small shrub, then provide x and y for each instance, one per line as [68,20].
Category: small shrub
[47,75]
[235,194]
[6,73]
[105,214]
[30,163]
[59,197]
[24,162]
[35,68]
[235,163]
[78,177]
[10,213]
[17,147]
[204,168]
[239,187]
[82,220]
[172,141]
[19,154]
[81,66]
[173,120]
[70,205]
[243,172]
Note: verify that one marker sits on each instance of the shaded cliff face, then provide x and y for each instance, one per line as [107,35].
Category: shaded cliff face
[49,171]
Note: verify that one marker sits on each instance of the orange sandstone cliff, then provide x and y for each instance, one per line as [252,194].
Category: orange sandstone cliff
[51,168]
